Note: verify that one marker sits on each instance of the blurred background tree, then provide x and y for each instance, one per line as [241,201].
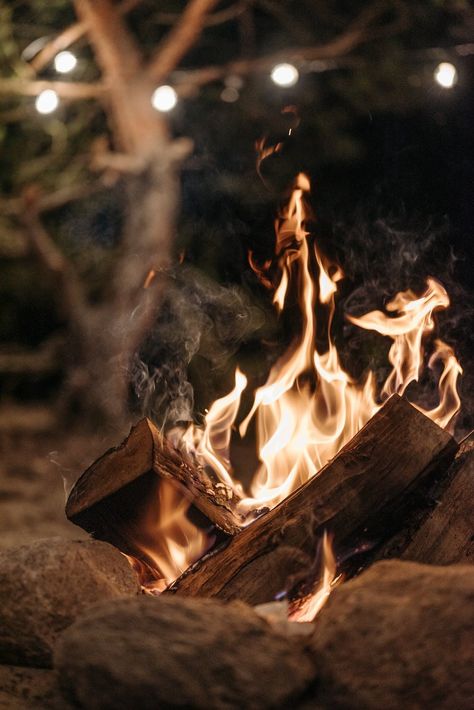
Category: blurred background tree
[105,192]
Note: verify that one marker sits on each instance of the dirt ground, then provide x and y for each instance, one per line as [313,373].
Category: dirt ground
[38,463]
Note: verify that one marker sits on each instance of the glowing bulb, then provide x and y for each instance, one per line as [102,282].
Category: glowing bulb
[285,75]
[164,98]
[64,62]
[230,95]
[446,75]
[47,101]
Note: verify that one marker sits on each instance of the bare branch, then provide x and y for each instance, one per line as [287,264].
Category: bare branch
[64,89]
[117,52]
[137,127]
[69,36]
[217,18]
[51,201]
[70,293]
[356,34]
[180,39]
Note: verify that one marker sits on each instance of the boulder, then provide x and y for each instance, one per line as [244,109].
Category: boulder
[164,652]
[26,688]
[46,585]
[399,636]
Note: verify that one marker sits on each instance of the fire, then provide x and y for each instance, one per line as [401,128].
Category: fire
[310,406]
[307,608]
[168,540]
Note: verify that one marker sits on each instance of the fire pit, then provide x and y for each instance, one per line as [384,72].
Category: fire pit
[348,475]
[337,456]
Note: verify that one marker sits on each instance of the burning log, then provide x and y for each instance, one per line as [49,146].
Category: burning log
[119,498]
[367,482]
[446,536]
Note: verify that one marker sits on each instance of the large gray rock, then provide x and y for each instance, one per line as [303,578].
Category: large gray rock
[46,585]
[27,688]
[399,636]
[178,652]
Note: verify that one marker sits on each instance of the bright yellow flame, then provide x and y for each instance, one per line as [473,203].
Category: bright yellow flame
[310,406]
[307,608]
[168,540]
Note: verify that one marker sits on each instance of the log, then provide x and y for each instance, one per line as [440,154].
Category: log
[369,481]
[446,537]
[116,497]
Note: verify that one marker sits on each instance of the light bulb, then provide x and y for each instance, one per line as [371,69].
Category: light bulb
[47,101]
[285,75]
[64,62]
[164,98]
[446,75]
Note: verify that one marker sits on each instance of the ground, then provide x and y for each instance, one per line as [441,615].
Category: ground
[38,462]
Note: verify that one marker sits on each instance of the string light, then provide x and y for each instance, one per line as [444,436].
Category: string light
[230,95]
[64,62]
[47,101]
[284,75]
[446,75]
[164,98]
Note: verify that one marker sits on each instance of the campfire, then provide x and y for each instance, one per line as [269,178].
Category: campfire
[339,458]
[187,593]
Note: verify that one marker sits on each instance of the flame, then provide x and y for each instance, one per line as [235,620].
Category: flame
[307,608]
[168,541]
[310,406]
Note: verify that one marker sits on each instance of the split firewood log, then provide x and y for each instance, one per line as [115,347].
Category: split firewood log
[367,485]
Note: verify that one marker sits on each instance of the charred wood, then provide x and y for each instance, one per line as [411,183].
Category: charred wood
[111,499]
[371,477]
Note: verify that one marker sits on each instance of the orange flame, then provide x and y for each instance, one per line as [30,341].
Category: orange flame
[168,540]
[309,407]
[307,608]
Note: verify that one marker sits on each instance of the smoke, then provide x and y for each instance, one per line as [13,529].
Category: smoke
[199,319]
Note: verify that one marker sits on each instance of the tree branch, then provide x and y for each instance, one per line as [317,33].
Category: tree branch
[357,34]
[69,36]
[217,18]
[70,293]
[137,127]
[64,89]
[51,201]
[180,39]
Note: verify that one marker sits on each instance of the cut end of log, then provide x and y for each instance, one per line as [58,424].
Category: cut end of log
[145,450]
[113,470]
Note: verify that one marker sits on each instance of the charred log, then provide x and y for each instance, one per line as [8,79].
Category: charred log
[113,498]
[358,491]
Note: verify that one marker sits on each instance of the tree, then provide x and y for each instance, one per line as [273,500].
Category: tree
[132,149]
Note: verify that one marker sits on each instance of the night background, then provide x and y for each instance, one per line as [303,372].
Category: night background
[387,147]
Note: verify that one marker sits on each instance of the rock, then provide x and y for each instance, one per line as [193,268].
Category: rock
[398,636]
[170,651]
[27,688]
[45,585]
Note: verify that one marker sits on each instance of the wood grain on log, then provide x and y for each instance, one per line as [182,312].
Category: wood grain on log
[369,478]
[144,453]
[446,537]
